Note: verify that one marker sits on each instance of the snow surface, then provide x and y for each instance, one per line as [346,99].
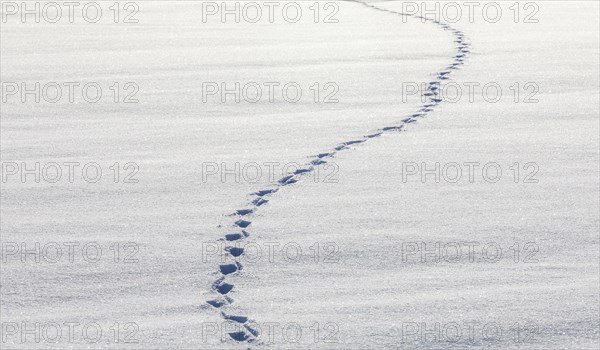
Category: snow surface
[367,295]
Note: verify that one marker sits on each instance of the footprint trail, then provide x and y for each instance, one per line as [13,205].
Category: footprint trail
[242,217]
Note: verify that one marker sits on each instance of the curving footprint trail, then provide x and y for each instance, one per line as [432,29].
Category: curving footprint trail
[245,333]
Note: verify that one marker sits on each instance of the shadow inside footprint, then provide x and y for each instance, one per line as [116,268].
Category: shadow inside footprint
[224,288]
[323,155]
[302,171]
[238,319]
[259,201]
[239,336]
[235,251]
[288,180]
[355,142]
[243,223]
[265,192]
[243,212]
[216,303]
[234,236]
[228,268]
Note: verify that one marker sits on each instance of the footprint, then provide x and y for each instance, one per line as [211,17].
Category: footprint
[238,319]
[302,171]
[243,212]
[234,236]
[228,269]
[323,155]
[285,179]
[350,143]
[235,251]
[224,288]
[318,162]
[239,336]
[392,128]
[243,223]
[265,192]
[374,135]
[259,201]
[288,180]
[216,303]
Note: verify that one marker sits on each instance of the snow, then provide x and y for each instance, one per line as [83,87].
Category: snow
[352,287]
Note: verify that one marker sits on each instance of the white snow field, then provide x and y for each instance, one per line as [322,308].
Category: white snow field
[360,249]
